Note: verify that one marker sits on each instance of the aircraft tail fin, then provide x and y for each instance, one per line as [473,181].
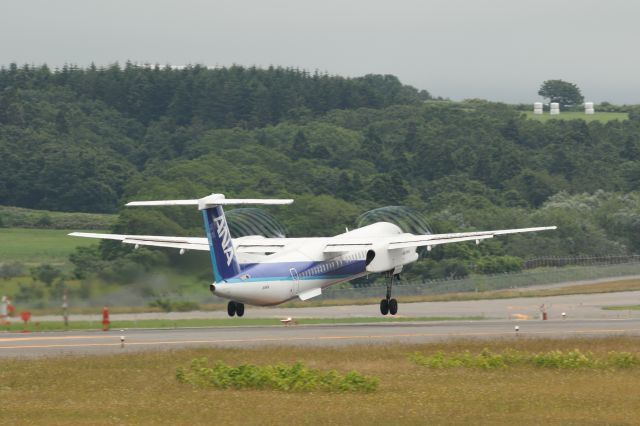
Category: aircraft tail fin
[223,257]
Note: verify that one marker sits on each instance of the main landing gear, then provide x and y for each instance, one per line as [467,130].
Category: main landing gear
[389,305]
[235,308]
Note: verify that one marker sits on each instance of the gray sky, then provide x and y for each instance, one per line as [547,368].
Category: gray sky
[493,49]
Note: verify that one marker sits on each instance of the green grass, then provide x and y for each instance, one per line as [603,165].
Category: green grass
[18,217]
[615,285]
[141,388]
[579,115]
[17,325]
[36,246]
[622,308]
[486,359]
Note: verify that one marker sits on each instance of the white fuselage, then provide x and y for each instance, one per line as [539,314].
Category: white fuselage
[305,265]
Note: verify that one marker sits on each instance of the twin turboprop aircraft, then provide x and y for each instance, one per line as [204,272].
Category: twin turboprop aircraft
[268,271]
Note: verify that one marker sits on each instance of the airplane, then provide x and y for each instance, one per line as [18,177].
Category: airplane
[264,271]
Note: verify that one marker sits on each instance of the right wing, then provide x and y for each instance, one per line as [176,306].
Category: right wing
[345,244]
[438,239]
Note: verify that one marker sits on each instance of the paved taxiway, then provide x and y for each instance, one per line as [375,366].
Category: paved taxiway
[96,342]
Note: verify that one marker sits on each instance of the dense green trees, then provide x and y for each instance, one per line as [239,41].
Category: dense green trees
[220,97]
[91,139]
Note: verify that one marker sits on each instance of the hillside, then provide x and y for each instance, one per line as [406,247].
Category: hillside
[18,217]
[90,139]
[38,246]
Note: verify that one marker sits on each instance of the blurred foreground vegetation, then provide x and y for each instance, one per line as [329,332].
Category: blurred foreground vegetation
[94,389]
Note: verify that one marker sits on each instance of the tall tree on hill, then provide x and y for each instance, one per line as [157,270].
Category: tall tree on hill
[562,92]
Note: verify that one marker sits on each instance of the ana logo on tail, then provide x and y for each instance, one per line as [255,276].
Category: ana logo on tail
[225,237]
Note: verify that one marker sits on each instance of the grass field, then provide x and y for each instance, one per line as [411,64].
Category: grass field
[35,246]
[622,308]
[579,115]
[142,388]
[616,285]
[16,324]
[18,217]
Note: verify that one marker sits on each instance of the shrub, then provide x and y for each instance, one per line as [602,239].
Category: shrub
[44,221]
[10,270]
[499,264]
[558,359]
[486,359]
[28,293]
[622,360]
[169,305]
[45,273]
[295,378]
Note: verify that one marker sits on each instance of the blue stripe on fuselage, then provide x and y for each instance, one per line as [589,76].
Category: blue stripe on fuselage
[280,271]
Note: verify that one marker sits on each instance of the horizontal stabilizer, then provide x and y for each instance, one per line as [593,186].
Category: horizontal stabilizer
[212,201]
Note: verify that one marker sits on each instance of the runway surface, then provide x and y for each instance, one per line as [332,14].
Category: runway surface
[585,316]
[97,342]
[576,306]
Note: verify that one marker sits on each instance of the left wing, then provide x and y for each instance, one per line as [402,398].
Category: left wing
[183,243]
[250,244]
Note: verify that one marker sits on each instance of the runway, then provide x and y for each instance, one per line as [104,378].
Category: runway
[584,313]
[97,342]
[575,306]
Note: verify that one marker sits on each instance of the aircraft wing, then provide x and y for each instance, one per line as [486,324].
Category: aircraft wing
[253,244]
[262,245]
[438,239]
[186,243]
[410,240]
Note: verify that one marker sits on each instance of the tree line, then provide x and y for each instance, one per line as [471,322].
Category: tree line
[89,139]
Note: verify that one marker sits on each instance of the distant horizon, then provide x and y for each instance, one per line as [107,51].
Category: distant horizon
[498,50]
[535,98]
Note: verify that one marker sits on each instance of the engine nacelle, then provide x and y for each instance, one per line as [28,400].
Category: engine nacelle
[380,259]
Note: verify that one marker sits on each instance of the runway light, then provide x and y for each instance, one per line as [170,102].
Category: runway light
[564,315]
[289,321]
[517,328]
[122,341]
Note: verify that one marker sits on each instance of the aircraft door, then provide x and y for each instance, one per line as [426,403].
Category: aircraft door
[295,281]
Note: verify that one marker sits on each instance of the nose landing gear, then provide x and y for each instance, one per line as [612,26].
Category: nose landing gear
[389,305]
[235,308]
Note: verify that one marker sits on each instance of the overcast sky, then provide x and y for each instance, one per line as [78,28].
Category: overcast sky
[493,49]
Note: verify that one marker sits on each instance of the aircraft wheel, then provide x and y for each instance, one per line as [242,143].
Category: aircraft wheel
[231,308]
[239,309]
[384,306]
[393,306]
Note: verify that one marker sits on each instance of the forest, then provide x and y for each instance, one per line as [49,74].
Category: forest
[90,139]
